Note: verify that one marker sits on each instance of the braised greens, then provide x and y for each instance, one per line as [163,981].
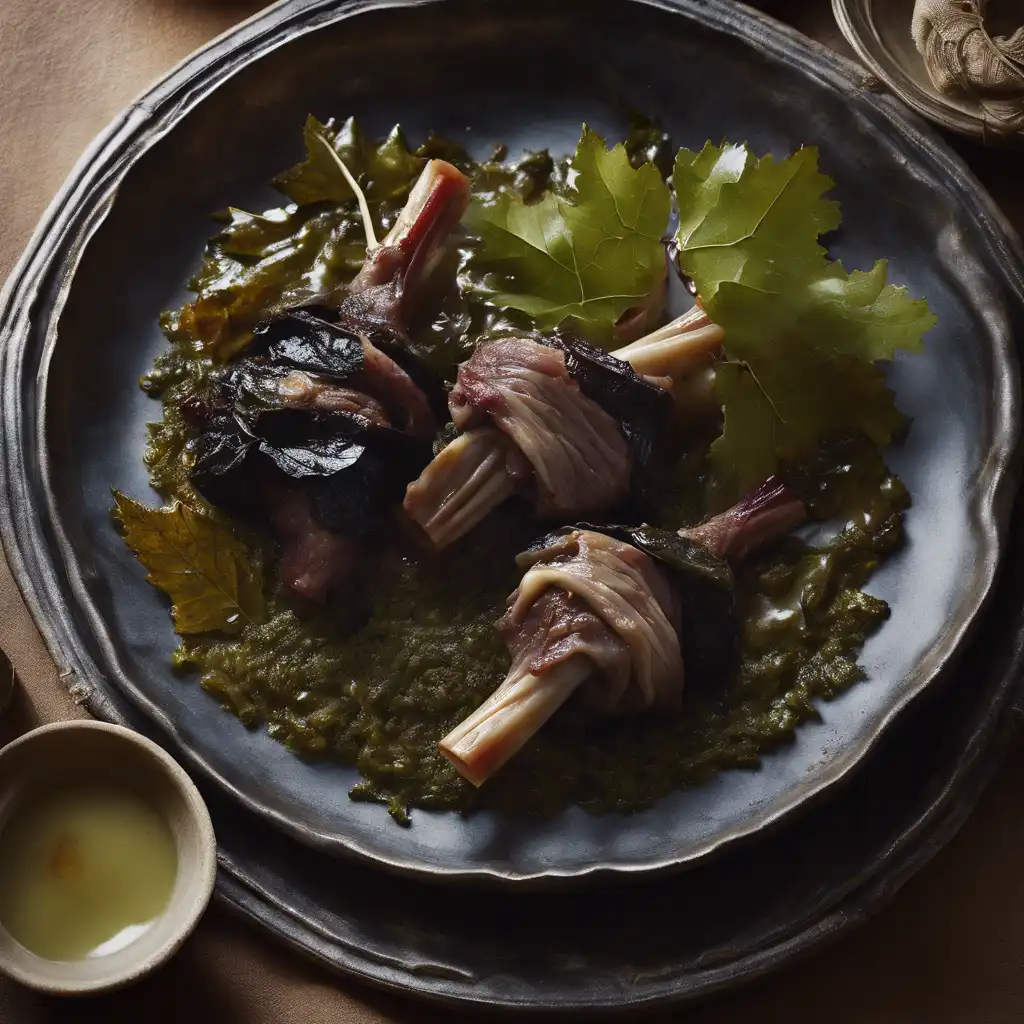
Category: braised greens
[377,679]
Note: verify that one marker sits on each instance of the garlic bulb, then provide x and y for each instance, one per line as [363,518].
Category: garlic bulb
[963,59]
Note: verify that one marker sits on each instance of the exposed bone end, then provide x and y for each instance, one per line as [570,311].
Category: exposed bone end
[460,487]
[412,247]
[503,724]
[764,515]
[680,348]
[436,204]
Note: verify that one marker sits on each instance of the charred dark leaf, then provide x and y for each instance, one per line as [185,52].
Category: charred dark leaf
[317,457]
[303,340]
[355,503]
[301,444]
[642,409]
[353,469]
[353,474]
[251,387]
[325,341]
[218,471]
[219,451]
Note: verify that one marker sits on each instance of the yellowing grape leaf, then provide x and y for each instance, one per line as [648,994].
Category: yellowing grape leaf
[207,572]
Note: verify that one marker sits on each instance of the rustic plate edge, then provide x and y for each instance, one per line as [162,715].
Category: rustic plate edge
[813,59]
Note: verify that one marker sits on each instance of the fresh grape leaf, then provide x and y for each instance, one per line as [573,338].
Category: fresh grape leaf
[803,337]
[586,255]
[864,315]
[747,449]
[384,170]
[779,411]
[208,573]
[745,220]
[802,365]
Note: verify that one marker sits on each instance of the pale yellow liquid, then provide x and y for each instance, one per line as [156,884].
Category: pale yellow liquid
[84,872]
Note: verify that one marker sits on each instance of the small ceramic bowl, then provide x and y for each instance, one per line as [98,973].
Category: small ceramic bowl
[880,33]
[59,756]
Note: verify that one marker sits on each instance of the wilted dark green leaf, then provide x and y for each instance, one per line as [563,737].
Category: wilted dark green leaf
[384,170]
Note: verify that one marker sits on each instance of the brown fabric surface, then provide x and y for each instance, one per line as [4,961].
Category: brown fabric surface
[950,948]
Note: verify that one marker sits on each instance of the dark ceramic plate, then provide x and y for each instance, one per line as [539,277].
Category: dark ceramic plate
[666,939]
[80,326]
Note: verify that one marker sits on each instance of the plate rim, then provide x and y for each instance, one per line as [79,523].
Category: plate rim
[55,249]
[867,893]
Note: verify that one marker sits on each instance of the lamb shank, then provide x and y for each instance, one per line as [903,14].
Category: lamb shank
[610,616]
[328,414]
[553,418]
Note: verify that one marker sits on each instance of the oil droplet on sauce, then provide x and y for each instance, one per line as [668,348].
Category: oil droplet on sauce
[84,872]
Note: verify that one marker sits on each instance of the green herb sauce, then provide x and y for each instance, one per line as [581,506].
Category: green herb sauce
[379,676]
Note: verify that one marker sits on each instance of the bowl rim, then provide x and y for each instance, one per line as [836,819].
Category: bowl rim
[855,22]
[56,247]
[203,874]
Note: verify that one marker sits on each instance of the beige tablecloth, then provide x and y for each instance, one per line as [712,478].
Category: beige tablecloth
[949,949]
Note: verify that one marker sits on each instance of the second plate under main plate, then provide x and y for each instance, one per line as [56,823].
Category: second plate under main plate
[129,228]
